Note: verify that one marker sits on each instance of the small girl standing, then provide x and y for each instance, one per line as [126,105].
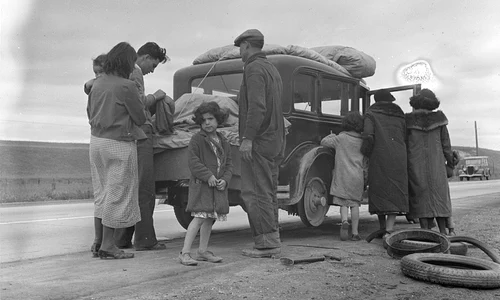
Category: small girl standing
[349,173]
[211,170]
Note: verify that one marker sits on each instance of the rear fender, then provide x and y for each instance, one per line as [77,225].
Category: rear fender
[317,162]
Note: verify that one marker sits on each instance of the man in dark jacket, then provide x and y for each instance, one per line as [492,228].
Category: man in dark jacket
[262,134]
[149,56]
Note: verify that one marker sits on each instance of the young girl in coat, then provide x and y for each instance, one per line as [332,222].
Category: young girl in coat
[348,180]
[211,170]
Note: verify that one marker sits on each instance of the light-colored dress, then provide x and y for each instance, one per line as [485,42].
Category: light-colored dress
[350,168]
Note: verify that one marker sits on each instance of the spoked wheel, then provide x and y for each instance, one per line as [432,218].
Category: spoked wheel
[313,206]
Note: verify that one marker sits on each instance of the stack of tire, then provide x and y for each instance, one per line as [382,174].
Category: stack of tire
[433,257]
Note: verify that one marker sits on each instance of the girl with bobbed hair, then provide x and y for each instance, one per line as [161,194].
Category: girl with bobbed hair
[211,170]
[115,114]
[429,149]
[348,181]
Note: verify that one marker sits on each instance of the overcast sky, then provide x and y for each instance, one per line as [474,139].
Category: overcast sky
[47,47]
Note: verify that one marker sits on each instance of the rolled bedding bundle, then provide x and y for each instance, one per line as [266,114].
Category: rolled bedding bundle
[356,62]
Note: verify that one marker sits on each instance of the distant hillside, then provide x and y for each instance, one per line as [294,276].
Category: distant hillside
[19,159]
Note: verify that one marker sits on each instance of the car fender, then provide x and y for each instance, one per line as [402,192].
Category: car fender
[317,161]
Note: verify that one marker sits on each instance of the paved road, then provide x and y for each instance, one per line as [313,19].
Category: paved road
[46,229]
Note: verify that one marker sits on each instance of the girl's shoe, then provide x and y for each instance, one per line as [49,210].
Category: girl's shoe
[355,237]
[451,232]
[208,256]
[187,260]
[95,249]
[117,255]
[344,231]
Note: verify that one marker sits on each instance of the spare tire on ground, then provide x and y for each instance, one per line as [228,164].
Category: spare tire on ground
[454,270]
[457,248]
[395,249]
[484,247]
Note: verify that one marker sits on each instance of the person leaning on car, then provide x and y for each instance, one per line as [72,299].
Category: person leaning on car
[262,138]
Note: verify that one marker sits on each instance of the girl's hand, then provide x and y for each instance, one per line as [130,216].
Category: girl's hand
[212,181]
[221,184]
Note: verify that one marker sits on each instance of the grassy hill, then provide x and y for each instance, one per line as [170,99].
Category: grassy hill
[34,171]
[19,159]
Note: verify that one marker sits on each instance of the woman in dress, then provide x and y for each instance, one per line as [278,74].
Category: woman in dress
[115,114]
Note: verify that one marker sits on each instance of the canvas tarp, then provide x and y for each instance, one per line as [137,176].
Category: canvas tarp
[357,63]
[185,127]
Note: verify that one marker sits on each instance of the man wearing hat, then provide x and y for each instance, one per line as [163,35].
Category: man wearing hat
[262,139]
[384,144]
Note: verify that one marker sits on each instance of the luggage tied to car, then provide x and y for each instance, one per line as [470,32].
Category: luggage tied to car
[357,63]
[184,127]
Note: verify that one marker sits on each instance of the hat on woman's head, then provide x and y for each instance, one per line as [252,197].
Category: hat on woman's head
[428,94]
[384,96]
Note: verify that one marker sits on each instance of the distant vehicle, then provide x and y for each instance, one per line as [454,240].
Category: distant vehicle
[475,166]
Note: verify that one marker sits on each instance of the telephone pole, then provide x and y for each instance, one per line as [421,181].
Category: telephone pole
[477,147]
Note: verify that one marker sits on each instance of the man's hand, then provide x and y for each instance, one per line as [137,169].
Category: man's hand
[212,181]
[246,150]
[159,95]
[221,184]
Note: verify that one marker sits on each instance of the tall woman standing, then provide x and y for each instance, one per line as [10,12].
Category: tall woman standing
[429,149]
[385,134]
[115,114]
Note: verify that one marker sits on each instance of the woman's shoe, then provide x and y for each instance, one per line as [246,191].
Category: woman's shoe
[118,255]
[355,237]
[344,231]
[94,249]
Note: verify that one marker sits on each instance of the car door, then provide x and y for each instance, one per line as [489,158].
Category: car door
[401,93]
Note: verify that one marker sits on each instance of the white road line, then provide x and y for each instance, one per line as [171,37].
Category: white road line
[62,219]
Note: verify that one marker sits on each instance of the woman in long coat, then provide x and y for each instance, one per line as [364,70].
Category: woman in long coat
[385,132]
[429,149]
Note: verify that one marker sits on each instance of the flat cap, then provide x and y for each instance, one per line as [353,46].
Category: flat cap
[249,35]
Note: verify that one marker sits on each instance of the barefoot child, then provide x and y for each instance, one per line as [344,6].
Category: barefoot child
[211,169]
[349,172]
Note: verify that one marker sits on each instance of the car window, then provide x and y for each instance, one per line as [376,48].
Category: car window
[333,92]
[304,92]
[227,85]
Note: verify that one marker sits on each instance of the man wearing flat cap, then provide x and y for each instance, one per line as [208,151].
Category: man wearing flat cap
[262,138]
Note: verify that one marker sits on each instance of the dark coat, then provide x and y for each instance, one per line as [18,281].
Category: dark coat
[387,172]
[203,164]
[429,148]
[261,113]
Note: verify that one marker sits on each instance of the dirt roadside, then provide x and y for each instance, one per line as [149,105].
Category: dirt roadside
[364,271]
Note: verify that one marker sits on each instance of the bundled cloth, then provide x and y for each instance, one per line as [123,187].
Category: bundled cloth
[346,60]
[184,127]
[357,63]
[313,55]
[163,119]
[231,51]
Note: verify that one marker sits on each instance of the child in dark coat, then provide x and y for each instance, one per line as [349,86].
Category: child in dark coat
[211,170]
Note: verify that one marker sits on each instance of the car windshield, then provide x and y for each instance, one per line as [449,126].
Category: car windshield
[227,85]
[474,162]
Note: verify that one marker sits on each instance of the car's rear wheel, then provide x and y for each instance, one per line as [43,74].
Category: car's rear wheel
[313,206]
